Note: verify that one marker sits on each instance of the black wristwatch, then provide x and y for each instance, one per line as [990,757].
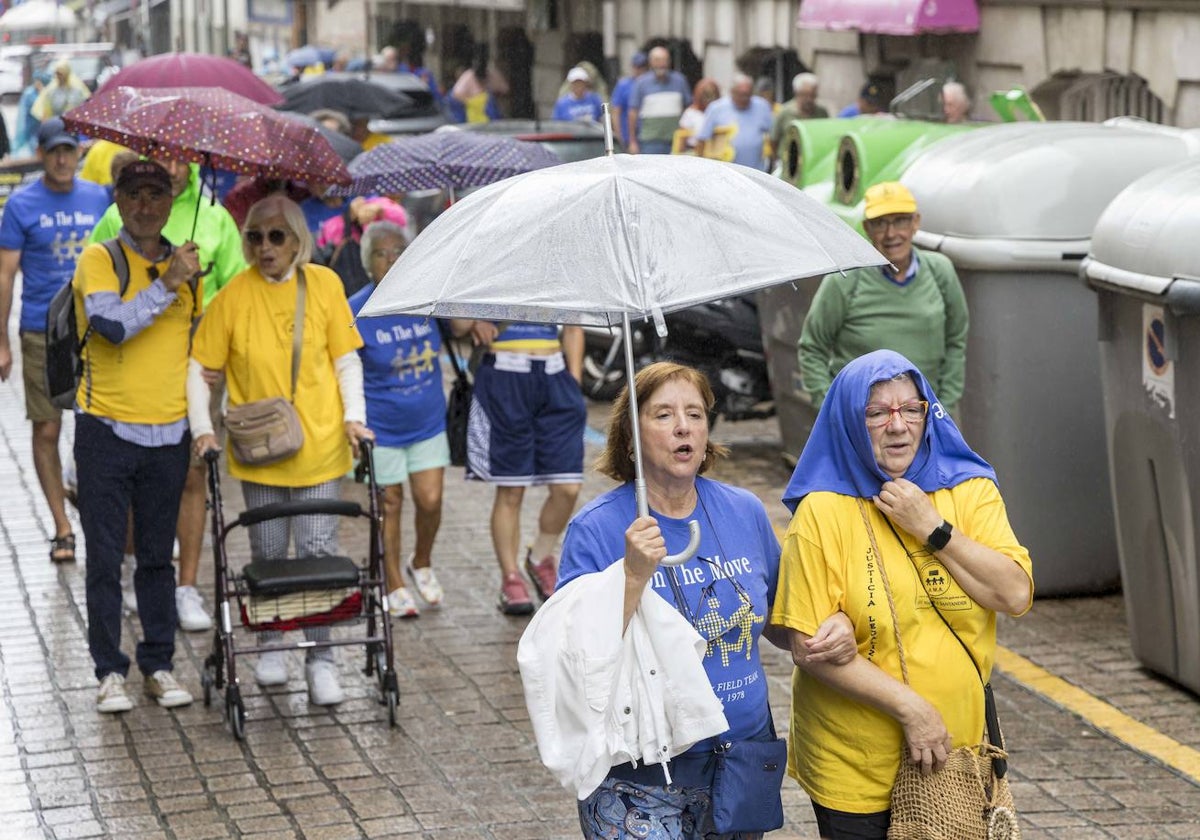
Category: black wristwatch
[940,536]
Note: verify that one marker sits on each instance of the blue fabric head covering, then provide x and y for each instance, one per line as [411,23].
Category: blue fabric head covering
[838,456]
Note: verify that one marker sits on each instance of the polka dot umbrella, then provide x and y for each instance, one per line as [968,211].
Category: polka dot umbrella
[440,160]
[211,126]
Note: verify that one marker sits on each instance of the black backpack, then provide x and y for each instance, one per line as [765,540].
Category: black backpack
[64,347]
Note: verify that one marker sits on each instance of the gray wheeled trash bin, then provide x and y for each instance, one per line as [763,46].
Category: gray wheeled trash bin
[1014,206]
[1145,269]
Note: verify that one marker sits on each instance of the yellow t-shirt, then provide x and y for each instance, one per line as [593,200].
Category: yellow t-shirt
[843,753]
[374,139]
[97,163]
[141,380]
[247,331]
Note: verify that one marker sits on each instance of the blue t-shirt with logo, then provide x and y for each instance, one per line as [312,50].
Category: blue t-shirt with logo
[402,375]
[738,543]
[50,229]
[587,107]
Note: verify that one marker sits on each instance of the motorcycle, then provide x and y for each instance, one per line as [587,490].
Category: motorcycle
[721,338]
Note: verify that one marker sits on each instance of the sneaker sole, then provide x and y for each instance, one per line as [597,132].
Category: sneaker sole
[112,708]
[516,609]
[165,703]
[195,627]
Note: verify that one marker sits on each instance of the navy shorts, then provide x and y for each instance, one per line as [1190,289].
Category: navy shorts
[527,421]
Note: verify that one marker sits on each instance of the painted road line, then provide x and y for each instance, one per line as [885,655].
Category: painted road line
[1101,715]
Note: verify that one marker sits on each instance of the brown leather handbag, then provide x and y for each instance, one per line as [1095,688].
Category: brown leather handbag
[267,431]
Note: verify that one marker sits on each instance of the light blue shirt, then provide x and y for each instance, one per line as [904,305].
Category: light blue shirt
[753,126]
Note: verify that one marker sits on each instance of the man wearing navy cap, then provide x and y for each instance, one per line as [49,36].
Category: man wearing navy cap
[45,226]
[622,91]
[131,430]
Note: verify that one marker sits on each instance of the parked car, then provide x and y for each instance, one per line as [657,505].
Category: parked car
[570,140]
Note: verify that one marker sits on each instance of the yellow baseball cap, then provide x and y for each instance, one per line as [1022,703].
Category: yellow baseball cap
[888,198]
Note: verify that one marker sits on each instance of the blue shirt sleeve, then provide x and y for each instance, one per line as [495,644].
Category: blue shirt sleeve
[119,320]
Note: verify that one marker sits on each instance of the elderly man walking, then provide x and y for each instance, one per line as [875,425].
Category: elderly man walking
[45,226]
[655,106]
[131,430]
[915,306]
[802,106]
[748,115]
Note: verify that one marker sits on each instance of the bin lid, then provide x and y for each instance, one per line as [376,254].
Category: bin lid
[1037,188]
[1146,237]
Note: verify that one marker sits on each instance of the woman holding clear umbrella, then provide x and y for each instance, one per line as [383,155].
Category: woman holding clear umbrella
[725,592]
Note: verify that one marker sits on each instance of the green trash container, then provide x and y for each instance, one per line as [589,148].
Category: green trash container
[1145,269]
[1013,206]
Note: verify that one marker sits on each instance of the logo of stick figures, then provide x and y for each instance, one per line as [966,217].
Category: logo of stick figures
[935,579]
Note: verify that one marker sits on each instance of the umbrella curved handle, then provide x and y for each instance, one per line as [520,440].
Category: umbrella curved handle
[689,550]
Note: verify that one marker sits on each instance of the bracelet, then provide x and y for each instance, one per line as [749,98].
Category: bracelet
[940,536]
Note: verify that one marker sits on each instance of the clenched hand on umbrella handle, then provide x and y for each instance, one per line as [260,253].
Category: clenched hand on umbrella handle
[183,267]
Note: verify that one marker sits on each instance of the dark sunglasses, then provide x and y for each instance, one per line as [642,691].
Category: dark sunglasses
[275,236]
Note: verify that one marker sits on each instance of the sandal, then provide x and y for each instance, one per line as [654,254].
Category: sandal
[62,549]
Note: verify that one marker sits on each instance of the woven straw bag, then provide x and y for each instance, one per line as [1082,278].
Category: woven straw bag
[965,800]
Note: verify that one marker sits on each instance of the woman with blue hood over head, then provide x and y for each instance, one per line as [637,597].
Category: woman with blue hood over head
[884,451]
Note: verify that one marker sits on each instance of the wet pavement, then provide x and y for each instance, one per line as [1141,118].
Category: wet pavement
[461,762]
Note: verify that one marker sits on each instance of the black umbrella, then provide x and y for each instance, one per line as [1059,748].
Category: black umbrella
[353,96]
[346,148]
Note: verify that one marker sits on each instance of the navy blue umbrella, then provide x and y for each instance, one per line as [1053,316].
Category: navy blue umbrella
[454,160]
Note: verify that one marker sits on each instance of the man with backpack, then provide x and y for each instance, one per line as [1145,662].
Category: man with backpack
[131,431]
[193,217]
[44,228]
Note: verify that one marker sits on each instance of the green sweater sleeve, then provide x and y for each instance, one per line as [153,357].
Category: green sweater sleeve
[819,335]
[950,388]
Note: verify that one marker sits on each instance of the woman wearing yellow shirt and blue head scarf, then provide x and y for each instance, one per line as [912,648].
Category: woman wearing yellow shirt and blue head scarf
[886,465]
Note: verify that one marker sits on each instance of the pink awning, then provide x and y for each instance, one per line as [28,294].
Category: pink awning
[890,17]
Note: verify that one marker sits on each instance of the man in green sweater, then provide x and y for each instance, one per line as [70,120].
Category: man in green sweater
[915,306]
[220,246]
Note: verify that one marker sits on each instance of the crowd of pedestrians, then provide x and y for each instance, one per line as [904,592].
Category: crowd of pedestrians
[209,311]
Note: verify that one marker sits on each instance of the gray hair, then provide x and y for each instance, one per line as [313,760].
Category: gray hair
[372,232]
[741,79]
[804,80]
[293,217]
[337,117]
[956,90]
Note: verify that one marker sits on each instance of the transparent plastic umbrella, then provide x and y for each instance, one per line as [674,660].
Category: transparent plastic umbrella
[613,240]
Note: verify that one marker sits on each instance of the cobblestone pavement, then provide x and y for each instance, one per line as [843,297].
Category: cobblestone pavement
[461,762]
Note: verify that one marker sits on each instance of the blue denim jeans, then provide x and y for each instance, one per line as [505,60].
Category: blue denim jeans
[116,476]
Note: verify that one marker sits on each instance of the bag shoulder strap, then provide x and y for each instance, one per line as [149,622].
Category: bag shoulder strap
[298,328]
[448,342]
[991,717]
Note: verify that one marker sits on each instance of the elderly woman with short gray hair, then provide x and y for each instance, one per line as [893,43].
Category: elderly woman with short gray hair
[283,301]
[406,408]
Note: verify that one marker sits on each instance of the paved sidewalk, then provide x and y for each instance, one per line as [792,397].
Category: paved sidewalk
[461,762]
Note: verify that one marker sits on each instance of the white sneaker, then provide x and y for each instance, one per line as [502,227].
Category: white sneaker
[401,604]
[190,607]
[323,686]
[128,594]
[112,697]
[425,582]
[166,690]
[271,669]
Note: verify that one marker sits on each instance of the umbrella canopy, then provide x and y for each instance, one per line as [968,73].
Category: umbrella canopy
[194,70]
[443,160]
[598,240]
[37,14]
[355,97]
[347,148]
[308,55]
[613,239]
[212,126]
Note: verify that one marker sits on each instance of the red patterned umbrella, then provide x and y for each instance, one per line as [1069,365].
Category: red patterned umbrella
[211,126]
[194,70]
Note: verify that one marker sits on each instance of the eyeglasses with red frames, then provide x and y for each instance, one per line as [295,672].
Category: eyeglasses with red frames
[275,236]
[911,412]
